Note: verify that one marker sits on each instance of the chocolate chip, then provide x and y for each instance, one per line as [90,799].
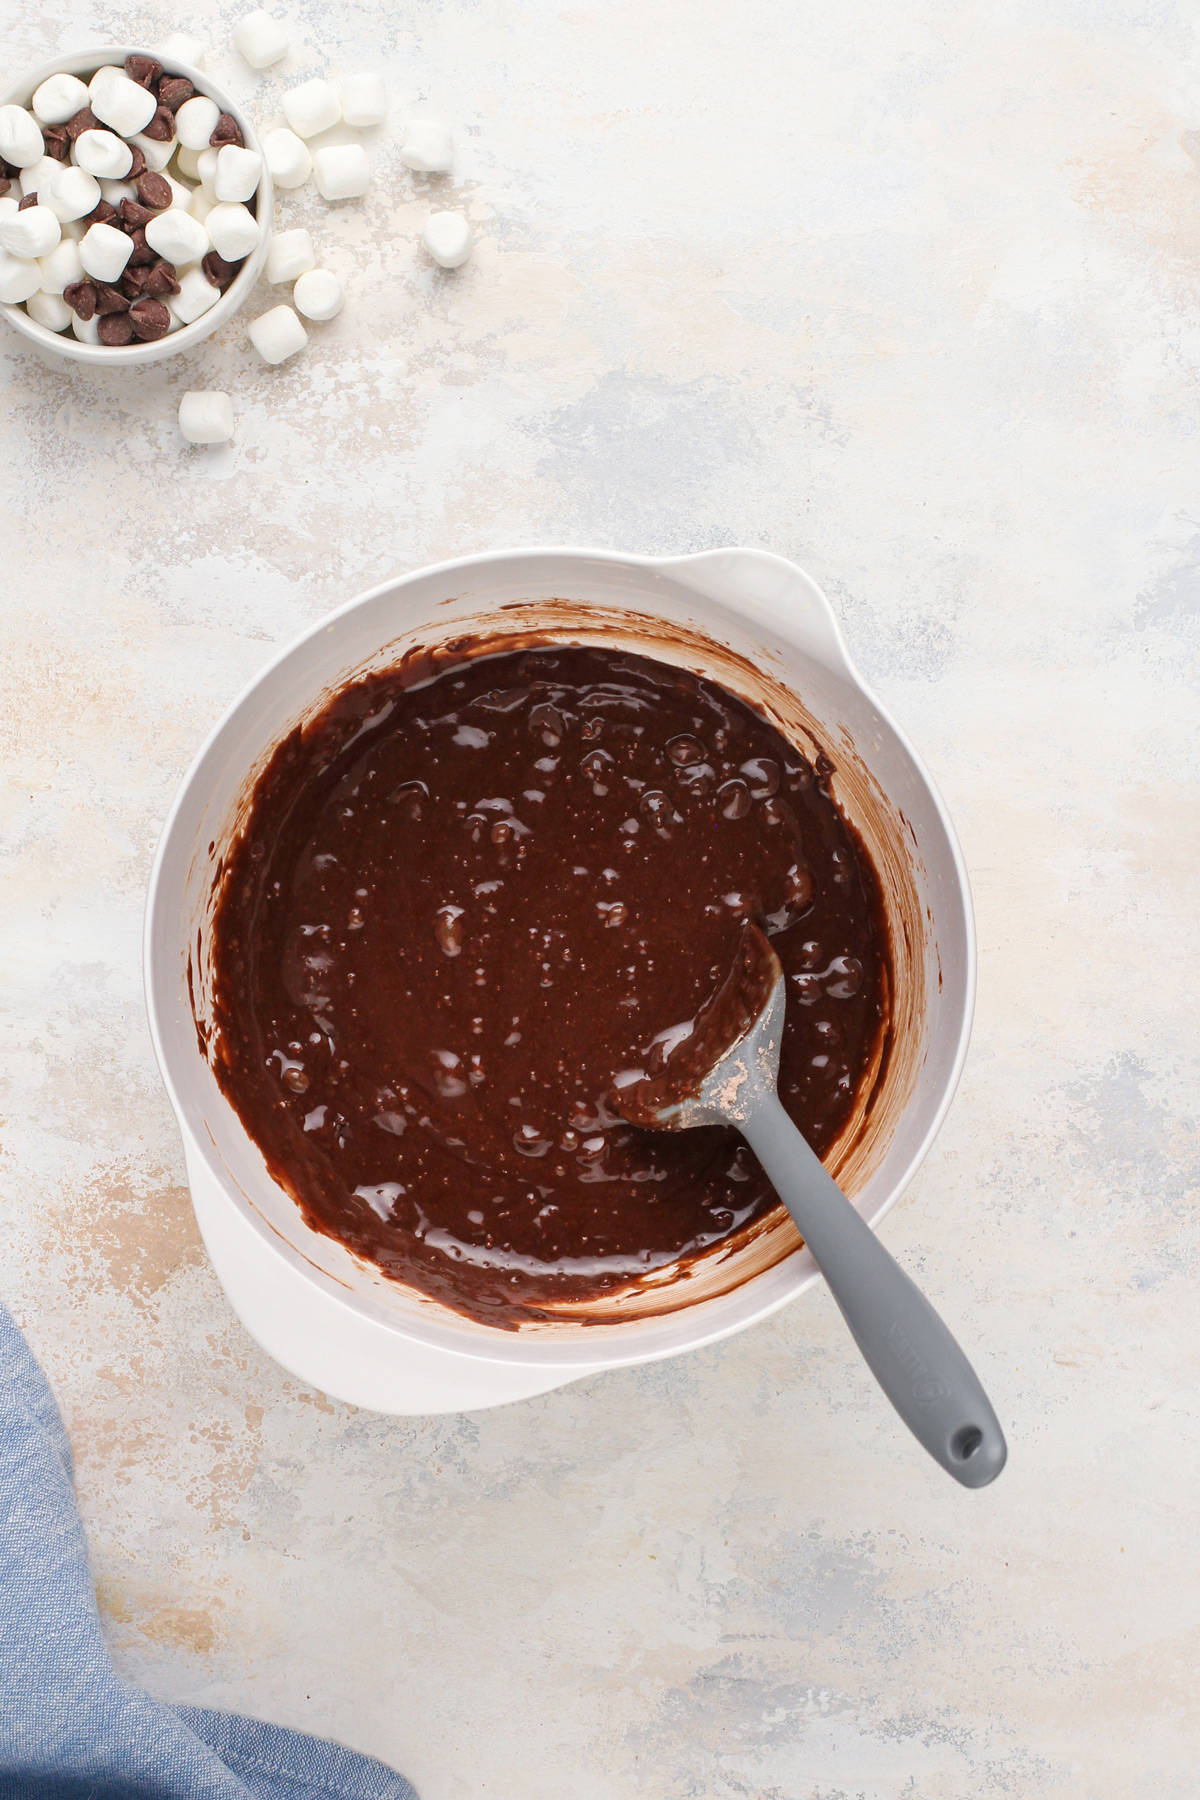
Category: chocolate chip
[218,271]
[5,184]
[150,319]
[84,120]
[162,280]
[138,165]
[141,253]
[226,131]
[56,141]
[144,70]
[153,190]
[161,127]
[103,213]
[134,217]
[134,282]
[80,296]
[115,328]
[173,91]
[110,299]
[29,200]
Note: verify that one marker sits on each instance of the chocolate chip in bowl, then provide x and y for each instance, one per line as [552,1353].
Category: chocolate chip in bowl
[105,173]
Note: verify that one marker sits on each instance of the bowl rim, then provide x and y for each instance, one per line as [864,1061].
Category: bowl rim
[588,1350]
[111,356]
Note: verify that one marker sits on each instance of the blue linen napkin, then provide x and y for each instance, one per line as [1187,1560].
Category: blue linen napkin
[70,1729]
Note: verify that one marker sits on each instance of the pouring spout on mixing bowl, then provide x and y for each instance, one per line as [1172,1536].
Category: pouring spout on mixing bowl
[768,590]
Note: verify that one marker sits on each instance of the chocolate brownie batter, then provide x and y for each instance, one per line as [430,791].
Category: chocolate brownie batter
[460,909]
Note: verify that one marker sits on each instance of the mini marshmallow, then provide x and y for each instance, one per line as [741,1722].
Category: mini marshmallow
[157,151]
[186,162]
[202,203]
[62,268]
[312,107]
[364,100]
[103,153]
[9,208]
[238,172]
[196,294]
[278,334]
[104,73]
[86,330]
[72,193]
[181,194]
[180,46]
[116,191]
[342,171]
[206,417]
[447,237]
[39,175]
[234,230]
[260,40]
[58,99]
[21,140]
[318,294]
[33,232]
[288,157]
[196,121]
[206,168]
[291,253]
[50,310]
[428,147]
[104,252]
[178,236]
[19,277]
[123,105]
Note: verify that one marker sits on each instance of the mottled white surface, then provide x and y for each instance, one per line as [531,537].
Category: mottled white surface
[909,293]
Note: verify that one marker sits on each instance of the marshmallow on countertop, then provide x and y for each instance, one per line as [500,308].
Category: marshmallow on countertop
[447,237]
[50,310]
[234,230]
[180,46]
[21,141]
[364,100]
[206,417]
[238,172]
[104,252]
[196,294]
[121,104]
[157,151]
[19,277]
[318,294]
[288,157]
[32,232]
[428,147]
[278,334]
[342,171]
[103,153]
[62,268]
[260,40]
[71,193]
[177,236]
[58,99]
[196,121]
[312,107]
[290,254]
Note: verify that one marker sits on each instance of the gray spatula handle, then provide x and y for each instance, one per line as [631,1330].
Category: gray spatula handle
[909,1351]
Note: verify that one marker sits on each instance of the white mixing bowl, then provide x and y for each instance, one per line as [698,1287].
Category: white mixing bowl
[764,629]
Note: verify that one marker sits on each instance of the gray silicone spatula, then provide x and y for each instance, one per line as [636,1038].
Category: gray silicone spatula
[729,1077]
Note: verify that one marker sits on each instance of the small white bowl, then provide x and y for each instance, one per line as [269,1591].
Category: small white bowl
[65,343]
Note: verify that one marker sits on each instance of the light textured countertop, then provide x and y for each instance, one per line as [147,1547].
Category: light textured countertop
[911,295]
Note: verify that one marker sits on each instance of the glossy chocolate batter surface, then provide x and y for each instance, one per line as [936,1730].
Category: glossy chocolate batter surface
[459,911]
